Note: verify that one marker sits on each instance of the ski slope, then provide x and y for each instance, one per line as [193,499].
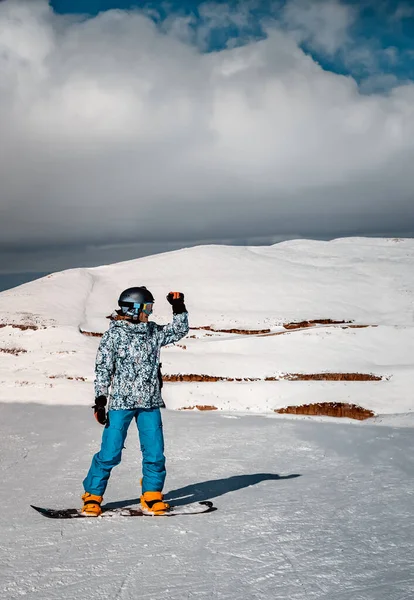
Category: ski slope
[367,284]
[309,508]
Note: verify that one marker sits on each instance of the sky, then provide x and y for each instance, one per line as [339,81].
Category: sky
[129,131]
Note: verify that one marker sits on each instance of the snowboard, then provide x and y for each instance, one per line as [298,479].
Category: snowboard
[75,513]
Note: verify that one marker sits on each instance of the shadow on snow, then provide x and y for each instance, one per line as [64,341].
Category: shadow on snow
[207,490]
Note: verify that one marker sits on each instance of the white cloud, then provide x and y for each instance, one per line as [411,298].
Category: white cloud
[323,24]
[113,130]
[379,83]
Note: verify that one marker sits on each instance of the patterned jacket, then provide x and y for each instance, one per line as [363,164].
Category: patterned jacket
[128,360]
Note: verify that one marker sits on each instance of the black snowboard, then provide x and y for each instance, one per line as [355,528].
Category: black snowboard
[75,513]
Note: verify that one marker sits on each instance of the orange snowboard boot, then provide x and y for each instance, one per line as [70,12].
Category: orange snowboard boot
[91,505]
[153,504]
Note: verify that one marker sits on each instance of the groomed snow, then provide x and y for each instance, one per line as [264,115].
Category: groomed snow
[309,508]
[362,281]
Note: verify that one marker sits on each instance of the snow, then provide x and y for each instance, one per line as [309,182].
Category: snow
[309,508]
[367,282]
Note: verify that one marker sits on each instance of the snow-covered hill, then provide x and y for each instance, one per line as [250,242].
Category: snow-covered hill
[360,290]
[307,509]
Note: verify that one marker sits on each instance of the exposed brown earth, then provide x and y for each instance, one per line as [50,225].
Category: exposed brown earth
[240,331]
[199,407]
[329,409]
[312,323]
[20,326]
[90,333]
[15,351]
[67,377]
[298,326]
[332,377]
[286,331]
[288,327]
[192,377]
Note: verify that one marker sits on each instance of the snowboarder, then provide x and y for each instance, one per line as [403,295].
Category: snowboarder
[128,361]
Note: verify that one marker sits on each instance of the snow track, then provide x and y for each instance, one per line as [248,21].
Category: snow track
[308,510]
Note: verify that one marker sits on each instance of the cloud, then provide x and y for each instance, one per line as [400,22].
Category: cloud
[345,36]
[323,24]
[116,131]
[403,11]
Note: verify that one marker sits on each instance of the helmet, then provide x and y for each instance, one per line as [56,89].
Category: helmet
[135,300]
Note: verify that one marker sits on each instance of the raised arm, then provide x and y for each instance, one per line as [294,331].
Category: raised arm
[178,328]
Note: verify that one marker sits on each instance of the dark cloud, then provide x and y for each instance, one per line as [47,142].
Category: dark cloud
[116,132]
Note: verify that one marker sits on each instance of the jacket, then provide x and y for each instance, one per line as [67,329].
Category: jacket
[128,361]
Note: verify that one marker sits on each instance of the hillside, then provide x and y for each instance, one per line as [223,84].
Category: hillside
[307,508]
[297,323]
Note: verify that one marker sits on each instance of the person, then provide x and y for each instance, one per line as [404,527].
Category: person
[128,362]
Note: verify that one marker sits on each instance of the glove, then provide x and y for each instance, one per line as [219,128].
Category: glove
[176,299]
[99,409]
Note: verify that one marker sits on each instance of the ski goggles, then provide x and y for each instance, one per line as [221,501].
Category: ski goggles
[135,308]
[147,308]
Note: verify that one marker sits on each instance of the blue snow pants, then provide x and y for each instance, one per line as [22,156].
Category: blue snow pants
[151,439]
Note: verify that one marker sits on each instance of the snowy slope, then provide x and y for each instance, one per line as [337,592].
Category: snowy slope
[367,282]
[309,508]
[306,511]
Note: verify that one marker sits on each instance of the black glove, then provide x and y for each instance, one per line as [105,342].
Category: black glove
[176,299]
[99,409]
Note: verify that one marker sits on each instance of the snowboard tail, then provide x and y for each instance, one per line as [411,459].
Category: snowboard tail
[75,513]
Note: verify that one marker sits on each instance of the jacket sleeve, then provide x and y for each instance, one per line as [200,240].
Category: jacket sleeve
[104,365]
[174,331]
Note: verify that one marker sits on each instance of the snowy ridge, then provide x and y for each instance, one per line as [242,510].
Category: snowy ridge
[360,281]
